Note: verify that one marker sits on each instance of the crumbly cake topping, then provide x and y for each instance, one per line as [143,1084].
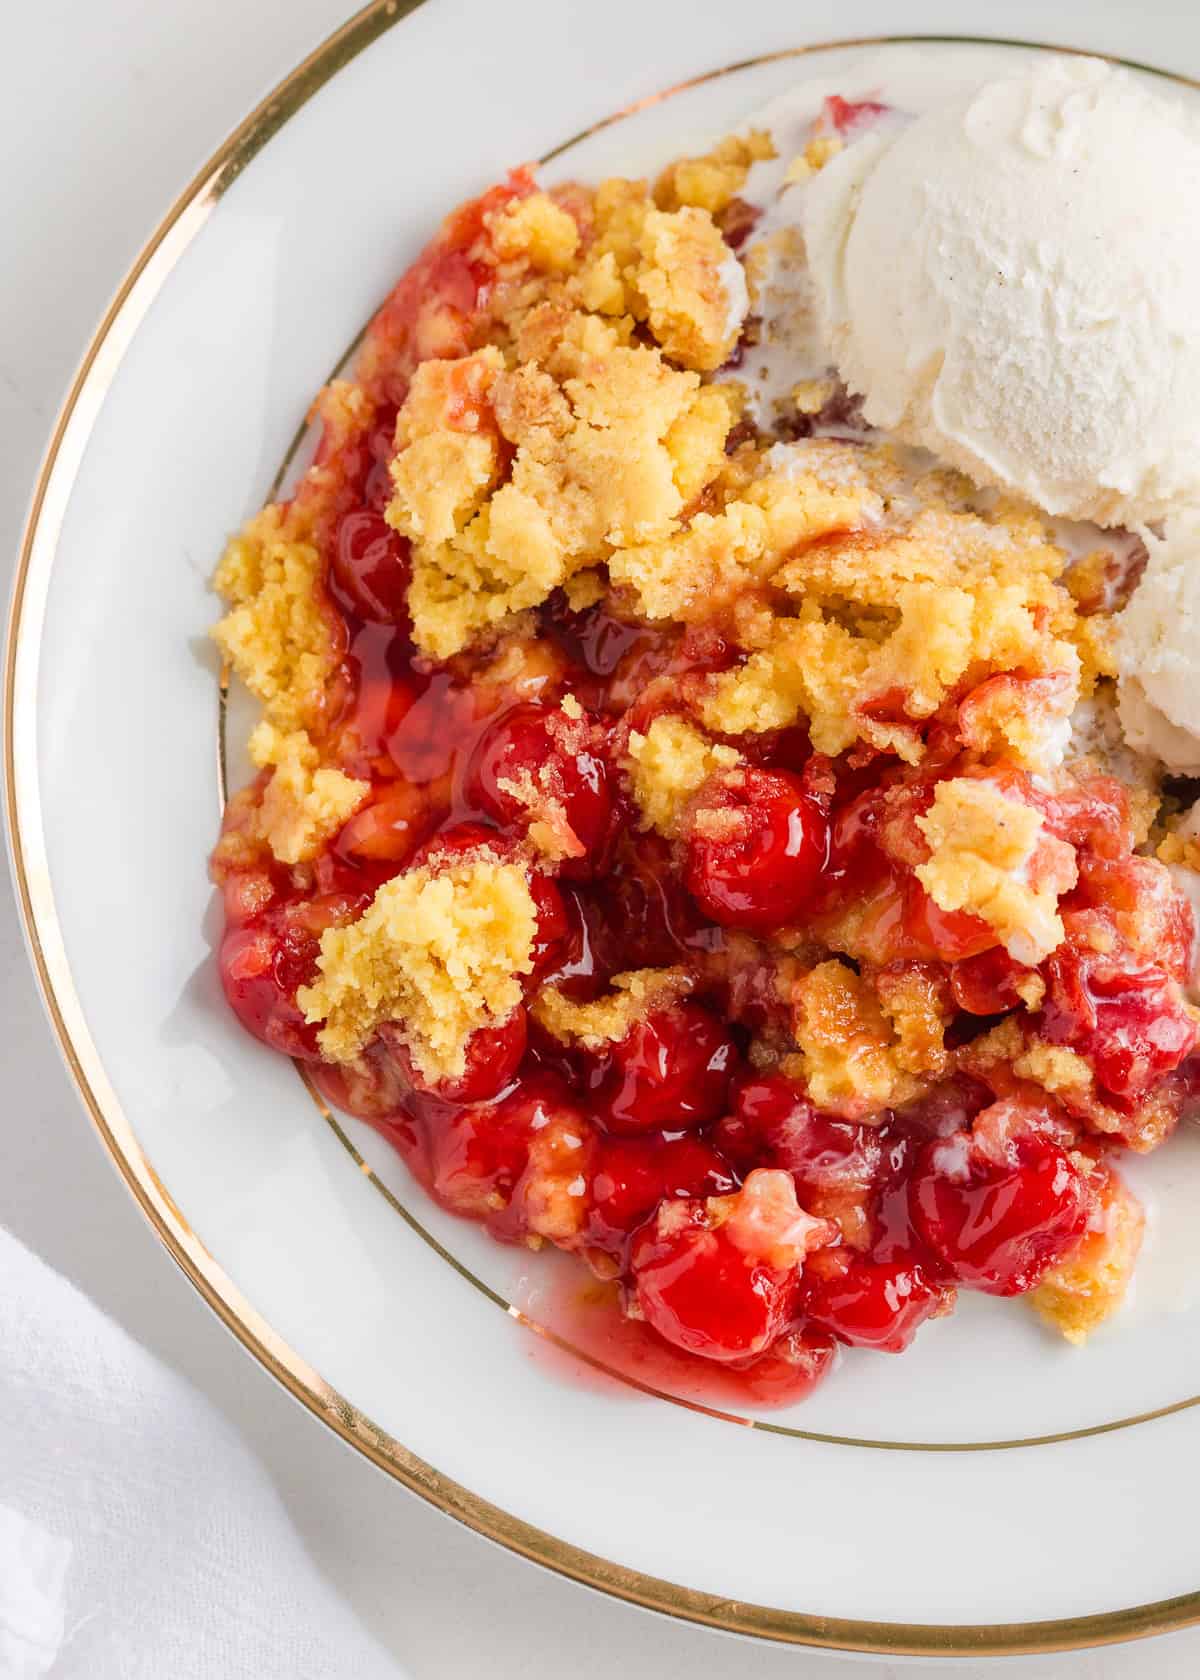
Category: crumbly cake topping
[915,999]
[850,1058]
[893,614]
[447,447]
[599,429]
[1076,1296]
[537,229]
[668,765]
[438,951]
[711,182]
[989,855]
[693,287]
[304,803]
[275,635]
[703,569]
[606,1019]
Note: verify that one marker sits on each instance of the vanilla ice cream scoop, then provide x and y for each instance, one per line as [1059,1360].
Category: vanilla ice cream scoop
[1012,281]
[1158,651]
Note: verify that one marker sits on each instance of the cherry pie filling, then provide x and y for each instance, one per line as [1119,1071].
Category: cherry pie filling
[800,1098]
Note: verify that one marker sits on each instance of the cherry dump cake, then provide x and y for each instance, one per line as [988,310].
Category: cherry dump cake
[693,827]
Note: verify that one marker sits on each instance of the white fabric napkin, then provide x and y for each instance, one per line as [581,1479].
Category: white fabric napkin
[138,1535]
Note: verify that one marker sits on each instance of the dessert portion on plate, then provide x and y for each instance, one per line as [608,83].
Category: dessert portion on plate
[700,825]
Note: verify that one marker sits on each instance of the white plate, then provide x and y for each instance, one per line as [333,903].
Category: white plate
[992,1490]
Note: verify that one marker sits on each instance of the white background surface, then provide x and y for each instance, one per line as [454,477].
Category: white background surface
[105,112]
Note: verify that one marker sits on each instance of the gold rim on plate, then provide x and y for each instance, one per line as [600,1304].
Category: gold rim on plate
[55,480]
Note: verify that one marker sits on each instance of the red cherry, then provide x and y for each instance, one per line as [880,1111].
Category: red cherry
[1000,1206]
[480,1151]
[261,967]
[370,568]
[948,935]
[762,874]
[454,844]
[701,1293]
[846,115]
[505,1161]
[669,1073]
[493,1057]
[571,961]
[645,917]
[870,1303]
[535,762]
[633,1175]
[774,1123]
[986,984]
[386,831]
[1128,1020]
[553,923]
[381,446]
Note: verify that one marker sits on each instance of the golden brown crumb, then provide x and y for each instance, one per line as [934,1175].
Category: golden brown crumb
[668,268]
[916,1000]
[989,855]
[1093,637]
[692,286]
[549,831]
[811,395]
[712,182]
[554,1186]
[436,951]
[848,1052]
[814,157]
[667,765]
[275,635]
[909,606]
[593,469]
[700,570]
[1082,1290]
[537,229]
[238,856]
[304,803]
[584,590]
[696,441]
[607,1019]
[1181,850]
[1055,1068]
[447,453]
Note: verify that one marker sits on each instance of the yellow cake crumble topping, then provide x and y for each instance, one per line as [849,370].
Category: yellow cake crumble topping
[600,433]
[438,951]
[893,613]
[304,802]
[447,449]
[1076,1296]
[712,181]
[850,1058]
[668,765]
[606,1019]
[275,635]
[989,855]
[538,229]
[702,569]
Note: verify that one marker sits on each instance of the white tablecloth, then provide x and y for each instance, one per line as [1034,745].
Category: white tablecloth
[105,110]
